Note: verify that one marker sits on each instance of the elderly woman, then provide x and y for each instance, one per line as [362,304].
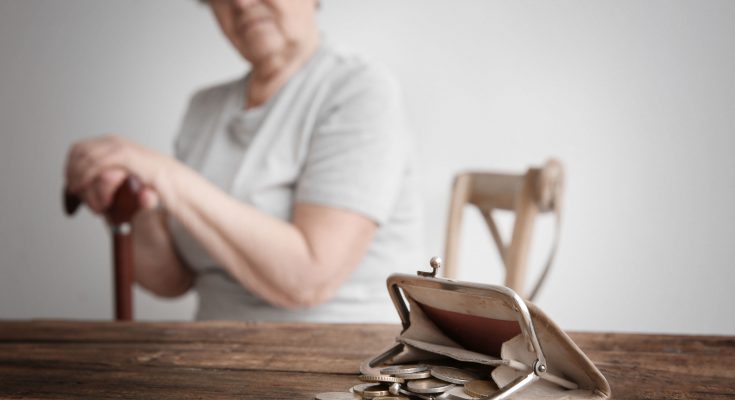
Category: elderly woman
[291,197]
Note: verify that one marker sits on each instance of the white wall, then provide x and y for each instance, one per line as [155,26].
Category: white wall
[637,98]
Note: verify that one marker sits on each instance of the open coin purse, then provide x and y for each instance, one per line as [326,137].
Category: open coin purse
[489,327]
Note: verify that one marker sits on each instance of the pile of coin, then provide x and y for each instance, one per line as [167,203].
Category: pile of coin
[419,381]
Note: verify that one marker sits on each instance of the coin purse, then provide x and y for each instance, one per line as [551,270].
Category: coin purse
[491,326]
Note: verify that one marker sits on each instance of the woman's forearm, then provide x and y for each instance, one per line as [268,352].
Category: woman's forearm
[277,260]
[157,266]
[287,263]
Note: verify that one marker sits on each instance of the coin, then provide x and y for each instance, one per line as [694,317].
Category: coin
[370,390]
[420,396]
[414,375]
[455,393]
[453,375]
[480,388]
[391,398]
[404,369]
[338,396]
[430,385]
[394,388]
[381,378]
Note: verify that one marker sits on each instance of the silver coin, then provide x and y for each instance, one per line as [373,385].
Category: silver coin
[338,396]
[453,375]
[395,388]
[420,396]
[391,398]
[404,369]
[430,385]
[455,393]
[480,388]
[370,390]
[381,378]
[414,375]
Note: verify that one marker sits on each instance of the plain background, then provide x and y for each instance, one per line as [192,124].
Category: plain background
[637,98]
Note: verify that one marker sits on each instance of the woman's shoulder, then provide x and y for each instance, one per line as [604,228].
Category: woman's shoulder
[348,72]
[350,63]
[215,94]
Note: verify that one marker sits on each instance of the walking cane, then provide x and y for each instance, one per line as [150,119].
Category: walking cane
[120,214]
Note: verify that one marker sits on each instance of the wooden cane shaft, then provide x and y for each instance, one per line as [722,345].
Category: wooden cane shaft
[123,255]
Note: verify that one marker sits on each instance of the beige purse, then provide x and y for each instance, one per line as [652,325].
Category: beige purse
[490,326]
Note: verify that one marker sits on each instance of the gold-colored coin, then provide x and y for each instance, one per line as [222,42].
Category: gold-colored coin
[480,388]
[338,396]
[370,390]
[381,378]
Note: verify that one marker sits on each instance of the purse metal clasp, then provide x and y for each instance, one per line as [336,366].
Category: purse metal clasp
[435,263]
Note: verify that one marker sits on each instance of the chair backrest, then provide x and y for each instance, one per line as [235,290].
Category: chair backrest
[526,195]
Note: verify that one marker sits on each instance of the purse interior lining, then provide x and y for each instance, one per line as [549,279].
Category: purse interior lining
[480,334]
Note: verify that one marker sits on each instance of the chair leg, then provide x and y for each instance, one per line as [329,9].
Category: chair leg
[518,249]
[460,196]
[495,232]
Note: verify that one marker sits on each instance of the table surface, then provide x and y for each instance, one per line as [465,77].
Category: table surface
[203,360]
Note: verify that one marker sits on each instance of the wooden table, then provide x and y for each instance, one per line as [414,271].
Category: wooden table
[203,360]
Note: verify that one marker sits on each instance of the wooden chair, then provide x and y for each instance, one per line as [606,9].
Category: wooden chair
[538,190]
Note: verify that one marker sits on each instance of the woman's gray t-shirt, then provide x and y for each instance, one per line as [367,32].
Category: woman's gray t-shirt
[334,135]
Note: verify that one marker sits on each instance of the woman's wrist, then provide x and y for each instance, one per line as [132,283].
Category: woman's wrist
[165,181]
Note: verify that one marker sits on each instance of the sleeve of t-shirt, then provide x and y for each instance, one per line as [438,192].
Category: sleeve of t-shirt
[202,105]
[357,155]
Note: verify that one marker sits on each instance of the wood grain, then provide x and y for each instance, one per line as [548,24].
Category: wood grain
[219,360]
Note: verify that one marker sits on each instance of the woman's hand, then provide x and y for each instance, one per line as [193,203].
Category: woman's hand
[96,167]
[293,264]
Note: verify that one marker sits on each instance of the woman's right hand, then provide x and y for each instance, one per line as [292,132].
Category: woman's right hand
[96,167]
